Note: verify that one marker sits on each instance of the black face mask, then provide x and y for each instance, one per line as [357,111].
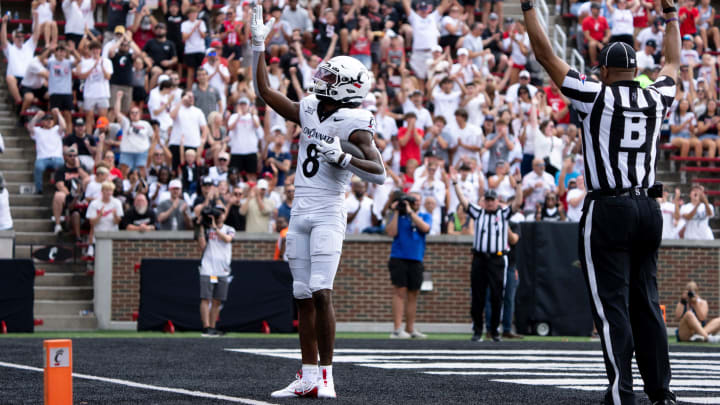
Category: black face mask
[359,196]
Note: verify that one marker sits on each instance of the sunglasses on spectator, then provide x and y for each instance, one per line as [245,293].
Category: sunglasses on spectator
[71,155]
[222,159]
[239,194]
[135,112]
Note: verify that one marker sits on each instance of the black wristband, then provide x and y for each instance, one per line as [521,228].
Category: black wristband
[526,5]
[670,10]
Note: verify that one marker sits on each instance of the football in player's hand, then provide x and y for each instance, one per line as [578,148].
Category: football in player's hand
[351,148]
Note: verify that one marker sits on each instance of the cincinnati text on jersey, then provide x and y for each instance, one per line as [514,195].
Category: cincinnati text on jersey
[313,133]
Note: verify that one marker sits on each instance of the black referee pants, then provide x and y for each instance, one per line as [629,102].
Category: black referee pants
[487,271]
[619,240]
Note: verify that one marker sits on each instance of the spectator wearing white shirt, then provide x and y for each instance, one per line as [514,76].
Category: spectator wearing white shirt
[431,186]
[646,57]
[470,139]
[511,95]
[440,141]
[299,19]
[472,184]
[519,44]
[413,103]
[670,208]
[359,207]
[502,182]
[6,222]
[18,55]
[244,142]
[218,76]
[33,85]
[48,143]
[189,126]
[654,32]
[104,213]
[193,33]
[135,143]
[452,28]
[697,213]
[536,185]
[575,197]
[161,102]
[425,33]
[446,99]
[385,125]
[96,71]
[466,70]
[74,20]
[621,20]
[220,171]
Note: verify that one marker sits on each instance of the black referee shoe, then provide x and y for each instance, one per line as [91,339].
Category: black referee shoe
[665,402]
[476,337]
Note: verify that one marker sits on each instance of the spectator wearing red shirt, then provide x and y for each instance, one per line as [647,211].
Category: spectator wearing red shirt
[559,104]
[142,27]
[410,139]
[688,16]
[597,32]
[641,16]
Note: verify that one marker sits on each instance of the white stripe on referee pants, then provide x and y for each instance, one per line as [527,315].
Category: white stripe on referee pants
[502,296]
[592,280]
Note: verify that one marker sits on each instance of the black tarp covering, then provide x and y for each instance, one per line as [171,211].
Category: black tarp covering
[552,288]
[259,291]
[17,279]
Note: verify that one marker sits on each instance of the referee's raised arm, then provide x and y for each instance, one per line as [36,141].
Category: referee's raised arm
[671,43]
[556,67]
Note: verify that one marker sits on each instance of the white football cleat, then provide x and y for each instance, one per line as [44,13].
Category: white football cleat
[713,339]
[697,338]
[399,334]
[298,388]
[326,387]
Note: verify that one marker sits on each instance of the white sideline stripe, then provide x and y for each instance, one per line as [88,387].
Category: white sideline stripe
[514,366]
[702,400]
[603,382]
[691,375]
[182,391]
[512,353]
[639,389]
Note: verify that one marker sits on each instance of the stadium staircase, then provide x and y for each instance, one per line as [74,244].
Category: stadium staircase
[63,290]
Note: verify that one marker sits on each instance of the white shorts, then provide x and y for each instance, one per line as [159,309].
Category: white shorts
[313,248]
[92,103]
[419,63]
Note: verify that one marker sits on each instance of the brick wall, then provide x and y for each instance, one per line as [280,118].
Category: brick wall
[362,286]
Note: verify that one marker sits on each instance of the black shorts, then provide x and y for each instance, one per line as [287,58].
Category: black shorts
[245,163]
[406,273]
[63,102]
[38,93]
[139,94]
[210,290]
[627,38]
[75,38]
[193,60]
[230,49]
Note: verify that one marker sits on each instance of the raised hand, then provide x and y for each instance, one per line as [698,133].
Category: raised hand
[258,29]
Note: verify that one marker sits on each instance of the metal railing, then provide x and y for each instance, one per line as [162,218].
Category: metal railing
[544,14]
[576,61]
[559,42]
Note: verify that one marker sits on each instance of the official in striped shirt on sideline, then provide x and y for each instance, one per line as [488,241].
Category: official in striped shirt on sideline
[621,226]
[490,261]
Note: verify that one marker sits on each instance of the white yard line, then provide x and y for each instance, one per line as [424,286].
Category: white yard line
[198,394]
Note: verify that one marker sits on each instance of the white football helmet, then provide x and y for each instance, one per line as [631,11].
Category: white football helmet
[343,79]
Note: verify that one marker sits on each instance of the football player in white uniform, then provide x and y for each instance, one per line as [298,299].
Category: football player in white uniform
[318,218]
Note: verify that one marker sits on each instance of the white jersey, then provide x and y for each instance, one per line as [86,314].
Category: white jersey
[315,178]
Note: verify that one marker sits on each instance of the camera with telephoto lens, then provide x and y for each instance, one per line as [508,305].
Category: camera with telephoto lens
[691,294]
[401,197]
[208,213]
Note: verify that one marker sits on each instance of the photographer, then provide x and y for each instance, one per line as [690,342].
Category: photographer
[215,239]
[408,228]
[692,312]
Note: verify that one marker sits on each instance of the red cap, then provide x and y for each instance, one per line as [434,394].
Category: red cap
[268,175]
[216,44]
[102,122]
[274,59]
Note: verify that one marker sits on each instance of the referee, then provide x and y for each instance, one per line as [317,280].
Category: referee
[621,227]
[490,261]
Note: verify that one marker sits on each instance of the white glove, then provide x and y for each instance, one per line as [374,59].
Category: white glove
[259,30]
[332,153]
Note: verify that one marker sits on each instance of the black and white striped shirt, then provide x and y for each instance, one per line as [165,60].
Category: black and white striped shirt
[621,125]
[491,229]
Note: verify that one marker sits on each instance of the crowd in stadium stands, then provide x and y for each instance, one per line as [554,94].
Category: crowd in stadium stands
[145,123]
